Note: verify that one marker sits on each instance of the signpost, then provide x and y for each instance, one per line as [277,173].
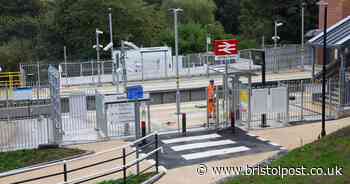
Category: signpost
[226,50]
[226,47]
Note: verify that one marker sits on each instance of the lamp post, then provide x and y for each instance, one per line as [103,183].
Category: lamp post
[178,100]
[98,46]
[302,34]
[275,38]
[324,69]
[115,63]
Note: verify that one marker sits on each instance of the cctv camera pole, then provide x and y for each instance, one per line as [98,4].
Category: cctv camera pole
[115,64]
[323,132]
[178,100]
[98,56]
[275,40]
[122,59]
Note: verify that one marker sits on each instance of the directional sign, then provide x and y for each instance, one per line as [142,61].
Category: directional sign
[225,47]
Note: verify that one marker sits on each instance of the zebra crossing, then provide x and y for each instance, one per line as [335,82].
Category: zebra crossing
[205,146]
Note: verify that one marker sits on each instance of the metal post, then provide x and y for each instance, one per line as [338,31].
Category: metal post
[38,68]
[149,118]
[226,112]
[98,57]
[65,173]
[7,94]
[124,166]
[65,61]
[249,101]
[263,42]
[206,54]
[157,154]
[323,132]
[184,124]
[111,31]
[302,101]
[329,98]
[263,81]
[138,163]
[125,80]
[142,67]
[137,120]
[302,34]
[178,96]
[166,64]
[81,69]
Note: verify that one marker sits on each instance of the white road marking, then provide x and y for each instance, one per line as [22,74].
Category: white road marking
[274,144]
[202,145]
[192,138]
[215,153]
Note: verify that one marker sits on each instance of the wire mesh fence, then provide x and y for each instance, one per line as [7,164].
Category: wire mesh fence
[74,73]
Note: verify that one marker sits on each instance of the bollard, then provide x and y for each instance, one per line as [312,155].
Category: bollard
[143,132]
[233,121]
[263,121]
[184,123]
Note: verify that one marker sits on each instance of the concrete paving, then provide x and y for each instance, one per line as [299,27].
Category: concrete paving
[289,138]
[200,147]
[187,83]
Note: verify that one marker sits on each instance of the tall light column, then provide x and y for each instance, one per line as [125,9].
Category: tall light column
[115,63]
[302,34]
[98,46]
[178,95]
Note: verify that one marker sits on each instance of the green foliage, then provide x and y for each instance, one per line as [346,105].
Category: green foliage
[75,23]
[326,153]
[195,11]
[15,51]
[257,19]
[227,13]
[132,179]
[23,158]
[34,30]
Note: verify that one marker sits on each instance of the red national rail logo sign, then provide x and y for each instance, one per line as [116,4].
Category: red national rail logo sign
[225,47]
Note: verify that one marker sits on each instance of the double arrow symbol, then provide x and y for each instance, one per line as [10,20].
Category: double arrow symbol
[227,47]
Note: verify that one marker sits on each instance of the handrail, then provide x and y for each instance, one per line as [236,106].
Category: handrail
[25,170]
[113,170]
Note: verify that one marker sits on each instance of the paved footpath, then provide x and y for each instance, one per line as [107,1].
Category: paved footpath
[289,138]
[96,147]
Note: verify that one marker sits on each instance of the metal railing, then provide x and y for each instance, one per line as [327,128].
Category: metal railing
[138,144]
[24,133]
[304,104]
[277,60]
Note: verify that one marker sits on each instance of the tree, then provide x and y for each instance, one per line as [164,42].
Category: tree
[227,13]
[195,11]
[257,19]
[75,23]
[19,29]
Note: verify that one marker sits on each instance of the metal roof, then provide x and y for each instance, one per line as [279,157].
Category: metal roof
[337,36]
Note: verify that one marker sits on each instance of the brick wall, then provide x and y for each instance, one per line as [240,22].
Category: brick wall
[337,10]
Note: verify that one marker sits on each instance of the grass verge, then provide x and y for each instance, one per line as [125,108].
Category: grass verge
[132,179]
[23,158]
[331,152]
